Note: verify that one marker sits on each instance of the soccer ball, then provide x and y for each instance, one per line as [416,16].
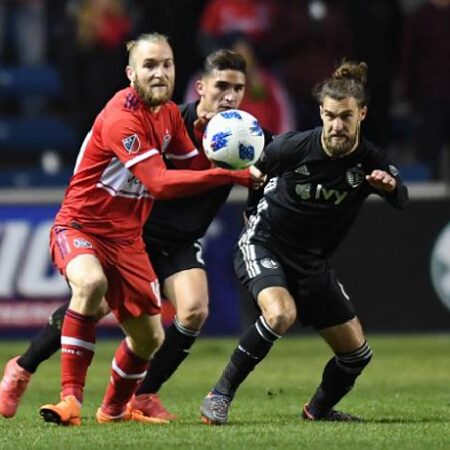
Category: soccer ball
[233,139]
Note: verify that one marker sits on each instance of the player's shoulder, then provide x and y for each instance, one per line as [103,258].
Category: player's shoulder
[124,107]
[294,141]
[126,100]
[171,112]
[371,150]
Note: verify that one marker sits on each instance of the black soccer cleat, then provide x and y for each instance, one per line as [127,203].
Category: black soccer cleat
[331,416]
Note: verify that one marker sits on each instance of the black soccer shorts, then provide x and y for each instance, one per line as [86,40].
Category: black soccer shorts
[320,298]
[167,263]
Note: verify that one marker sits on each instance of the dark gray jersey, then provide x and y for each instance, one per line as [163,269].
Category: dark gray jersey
[312,199]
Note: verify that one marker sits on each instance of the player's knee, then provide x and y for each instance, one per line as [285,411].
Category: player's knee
[91,286]
[193,316]
[280,319]
[145,345]
[356,361]
[102,310]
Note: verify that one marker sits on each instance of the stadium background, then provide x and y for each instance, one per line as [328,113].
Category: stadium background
[53,80]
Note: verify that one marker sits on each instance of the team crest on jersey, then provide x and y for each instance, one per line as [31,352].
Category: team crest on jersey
[132,144]
[355,176]
[166,141]
[82,243]
[269,263]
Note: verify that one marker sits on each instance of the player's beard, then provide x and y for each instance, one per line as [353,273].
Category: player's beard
[341,147]
[150,96]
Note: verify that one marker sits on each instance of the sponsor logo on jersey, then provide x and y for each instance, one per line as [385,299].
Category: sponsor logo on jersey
[82,243]
[394,171]
[304,191]
[269,263]
[131,144]
[355,176]
[440,266]
[166,141]
[302,170]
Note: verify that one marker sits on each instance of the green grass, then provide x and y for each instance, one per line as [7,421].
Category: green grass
[404,395]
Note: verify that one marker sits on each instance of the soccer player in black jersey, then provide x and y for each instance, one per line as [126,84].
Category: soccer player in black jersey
[318,182]
[172,239]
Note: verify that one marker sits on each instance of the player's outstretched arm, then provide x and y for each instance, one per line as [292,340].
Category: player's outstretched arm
[165,184]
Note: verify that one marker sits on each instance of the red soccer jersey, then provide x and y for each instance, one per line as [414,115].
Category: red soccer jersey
[104,197]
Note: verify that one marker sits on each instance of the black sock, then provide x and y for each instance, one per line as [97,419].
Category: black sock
[174,350]
[338,379]
[45,343]
[252,349]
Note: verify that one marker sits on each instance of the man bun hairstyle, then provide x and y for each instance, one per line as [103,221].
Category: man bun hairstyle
[224,59]
[348,80]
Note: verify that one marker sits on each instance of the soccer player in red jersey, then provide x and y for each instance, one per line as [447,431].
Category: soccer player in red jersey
[96,240]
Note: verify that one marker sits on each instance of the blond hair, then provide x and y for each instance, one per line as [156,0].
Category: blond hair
[154,37]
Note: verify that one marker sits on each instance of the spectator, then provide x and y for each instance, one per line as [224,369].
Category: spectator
[309,38]
[92,47]
[251,18]
[376,30]
[23,41]
[426,75]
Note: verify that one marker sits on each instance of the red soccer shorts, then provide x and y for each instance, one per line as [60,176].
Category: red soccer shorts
[133,287]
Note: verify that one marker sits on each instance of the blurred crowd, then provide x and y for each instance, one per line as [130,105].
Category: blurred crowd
[290,45]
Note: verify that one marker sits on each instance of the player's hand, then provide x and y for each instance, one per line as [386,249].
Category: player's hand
[258,177]
[202,120]
[382,181]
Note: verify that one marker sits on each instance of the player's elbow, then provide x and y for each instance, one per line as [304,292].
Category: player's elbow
[158,191]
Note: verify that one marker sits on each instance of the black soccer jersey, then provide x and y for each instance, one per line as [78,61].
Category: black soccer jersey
[182,221]
[312,199]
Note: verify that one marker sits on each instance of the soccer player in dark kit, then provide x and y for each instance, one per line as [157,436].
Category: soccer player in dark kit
[171,236]
[319,180]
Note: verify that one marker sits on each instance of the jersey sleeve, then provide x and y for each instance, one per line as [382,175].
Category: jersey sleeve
[166,184]
[124,134]
[399,196]
[255,195]
[274,156]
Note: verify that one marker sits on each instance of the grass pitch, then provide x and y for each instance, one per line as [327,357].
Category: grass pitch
[404,395]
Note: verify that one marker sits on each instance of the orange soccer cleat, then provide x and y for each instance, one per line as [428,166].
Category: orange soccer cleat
[66,412]
[127,415]
[150,405]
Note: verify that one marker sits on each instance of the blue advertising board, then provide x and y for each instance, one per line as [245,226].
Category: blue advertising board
[31,288]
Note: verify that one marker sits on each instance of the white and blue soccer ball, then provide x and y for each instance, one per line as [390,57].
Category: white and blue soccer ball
[233,139]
